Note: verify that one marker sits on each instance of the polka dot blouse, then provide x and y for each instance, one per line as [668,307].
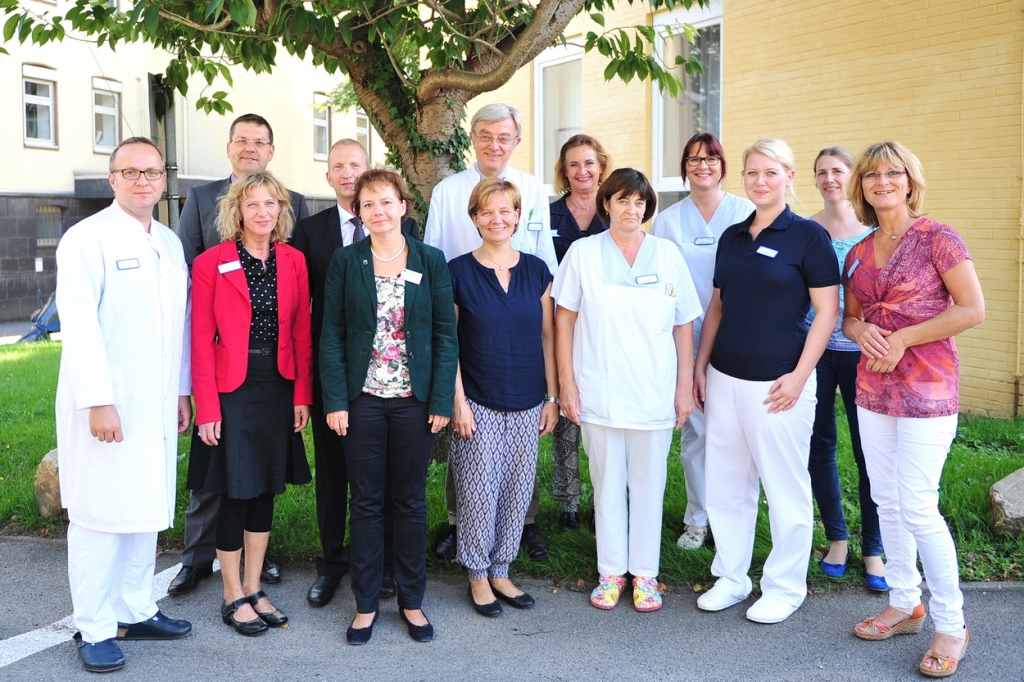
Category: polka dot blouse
[263,295]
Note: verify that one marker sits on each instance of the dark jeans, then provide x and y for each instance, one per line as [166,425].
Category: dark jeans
[839,368]
[388,448]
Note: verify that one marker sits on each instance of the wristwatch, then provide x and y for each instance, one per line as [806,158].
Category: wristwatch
[551,399]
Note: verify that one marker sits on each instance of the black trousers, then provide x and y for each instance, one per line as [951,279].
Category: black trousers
[331,493]
[388,448]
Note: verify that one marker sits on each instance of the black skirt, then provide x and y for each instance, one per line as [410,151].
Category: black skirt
[258,451]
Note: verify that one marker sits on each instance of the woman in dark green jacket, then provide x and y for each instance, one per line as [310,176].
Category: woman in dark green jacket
[388,355]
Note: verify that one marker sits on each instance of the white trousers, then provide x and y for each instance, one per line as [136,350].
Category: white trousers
[633,462]
[745,443]
[904,457]
[111,576]
[691,452]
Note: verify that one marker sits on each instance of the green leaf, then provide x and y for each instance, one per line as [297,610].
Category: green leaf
[24,28]
[597,18]
[151,19]
[346,31]
[243,12]
[213,9]
[301,22]
[611,69]
[10,26]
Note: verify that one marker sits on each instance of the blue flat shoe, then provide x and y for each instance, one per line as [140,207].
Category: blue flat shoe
[876,583]
[834,570]
[100,657]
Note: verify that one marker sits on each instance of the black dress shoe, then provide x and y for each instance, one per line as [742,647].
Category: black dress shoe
[249,628]
[420,633]
[275,618]
[322,591]
[271,573]
[535,544]
[388,589]
[492,610]
[569,520]
[522,601]
[188,578]
[101,657]
[157,627]
[357,636]
[447,547]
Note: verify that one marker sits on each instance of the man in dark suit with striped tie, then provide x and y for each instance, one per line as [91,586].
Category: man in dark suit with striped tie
[318,237]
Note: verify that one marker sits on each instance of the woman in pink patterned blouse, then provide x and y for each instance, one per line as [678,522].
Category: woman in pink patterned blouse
[910,288]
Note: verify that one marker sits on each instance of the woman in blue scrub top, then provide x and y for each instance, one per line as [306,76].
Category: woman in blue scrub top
[624,345]
[694,225]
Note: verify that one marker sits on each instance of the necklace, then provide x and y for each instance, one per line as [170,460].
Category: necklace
[388,260]
[501,265]
[581,209]
[896,235]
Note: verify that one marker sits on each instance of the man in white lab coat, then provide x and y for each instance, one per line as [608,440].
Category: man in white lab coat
[122,400]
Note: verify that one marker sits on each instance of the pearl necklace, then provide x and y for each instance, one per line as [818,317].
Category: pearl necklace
[501,265]
[896,235]
[388,260]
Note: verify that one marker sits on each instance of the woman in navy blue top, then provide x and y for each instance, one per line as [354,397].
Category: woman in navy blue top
[505,393]
[755,378]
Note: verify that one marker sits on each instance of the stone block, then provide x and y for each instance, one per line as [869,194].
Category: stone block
[1006,504]
[48,486]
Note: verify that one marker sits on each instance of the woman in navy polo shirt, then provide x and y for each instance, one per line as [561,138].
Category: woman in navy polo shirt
[755,378]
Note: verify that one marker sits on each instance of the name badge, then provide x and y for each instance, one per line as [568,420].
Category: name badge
[412,276]
[647,279]
[849,273]
[128,264]
[765,251]
[225,268]
[704,241]
[535,226]
[554,233]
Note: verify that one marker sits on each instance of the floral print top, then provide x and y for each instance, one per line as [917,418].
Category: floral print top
[908,290]
[388,373]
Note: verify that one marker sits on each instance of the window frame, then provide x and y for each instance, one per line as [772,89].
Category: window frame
[556,55]
[697,17]
[320,99]
[364,128]
[111,87]
[43,76]
[49,241]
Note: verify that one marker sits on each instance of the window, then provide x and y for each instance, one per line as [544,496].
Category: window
[559,106]
[364,132]
[49,221]
[106,114]
[698,107]
[321,126]
[39,89]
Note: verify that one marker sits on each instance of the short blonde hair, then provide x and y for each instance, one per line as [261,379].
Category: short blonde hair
[487,188]
[229,210]
[779,152]
[894,154]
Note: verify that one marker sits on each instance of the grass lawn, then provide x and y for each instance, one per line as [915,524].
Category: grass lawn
[985,451]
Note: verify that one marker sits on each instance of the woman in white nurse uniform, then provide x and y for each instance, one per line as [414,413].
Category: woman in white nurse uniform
[695,225]
[624,344]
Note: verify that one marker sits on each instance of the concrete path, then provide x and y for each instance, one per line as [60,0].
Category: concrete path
[562,638]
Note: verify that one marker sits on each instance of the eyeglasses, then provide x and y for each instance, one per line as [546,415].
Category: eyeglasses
[694,161]
[875,176]
[133,173]
[243,142]
[487,138]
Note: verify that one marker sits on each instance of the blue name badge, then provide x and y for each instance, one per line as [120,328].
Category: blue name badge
[128,264]
[765,251]
[849,273]
[703,241]
[534,226]
[647,279]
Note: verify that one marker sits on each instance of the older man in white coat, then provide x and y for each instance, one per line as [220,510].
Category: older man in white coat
[122,400]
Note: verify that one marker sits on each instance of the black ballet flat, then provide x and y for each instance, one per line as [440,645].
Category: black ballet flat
[249,628]
[521,601]
[357,636]
[420,633]
[492,610]
[275,619]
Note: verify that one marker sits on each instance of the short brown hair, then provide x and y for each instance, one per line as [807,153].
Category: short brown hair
[710,143]
[251,118]
[487,188]
[133,140]
[229,210]
[626,181]
[603,158]
[388,178]
[894,154]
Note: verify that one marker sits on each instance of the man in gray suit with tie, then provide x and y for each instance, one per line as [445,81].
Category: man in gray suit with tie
[250,148]
[318,237]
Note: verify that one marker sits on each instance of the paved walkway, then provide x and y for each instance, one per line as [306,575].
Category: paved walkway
[562,638]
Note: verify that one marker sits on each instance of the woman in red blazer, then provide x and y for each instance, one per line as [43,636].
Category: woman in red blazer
[252,369]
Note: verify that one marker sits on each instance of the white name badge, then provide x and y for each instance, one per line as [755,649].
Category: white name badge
[765,251]
[412,276]
[703,241]
[554,233]
[225,268]
[647,279]
[849,273]
[534,226]
[128,264]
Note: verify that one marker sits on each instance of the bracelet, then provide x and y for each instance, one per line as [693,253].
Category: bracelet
[551,399]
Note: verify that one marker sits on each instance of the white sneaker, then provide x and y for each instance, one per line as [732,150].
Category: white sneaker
[771,609]
[721,596]
[693,537]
